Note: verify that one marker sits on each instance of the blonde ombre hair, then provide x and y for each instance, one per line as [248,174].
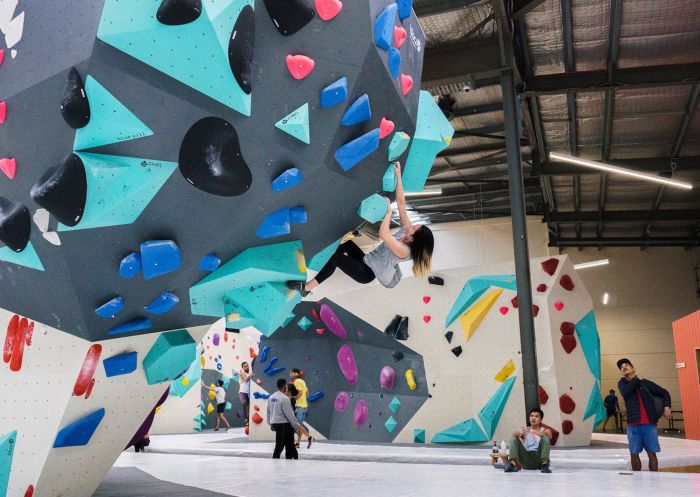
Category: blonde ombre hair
[422,251]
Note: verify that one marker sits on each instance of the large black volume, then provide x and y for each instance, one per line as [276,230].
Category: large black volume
[62,190]
[15,224]
[241,49]
[177,12]
[211,158]
[74,103]
[289,16]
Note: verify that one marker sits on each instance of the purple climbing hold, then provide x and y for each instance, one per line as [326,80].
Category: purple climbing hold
[387,377]
[215,339]
[346,361]
[361,413]
[342,400]
[331,320]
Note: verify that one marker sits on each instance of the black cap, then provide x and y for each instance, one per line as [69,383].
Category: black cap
[623,361]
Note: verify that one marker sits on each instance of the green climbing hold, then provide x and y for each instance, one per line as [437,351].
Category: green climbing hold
[297,124]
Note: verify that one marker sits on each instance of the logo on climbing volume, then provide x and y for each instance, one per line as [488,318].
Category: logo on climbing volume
[149,163]
[414,38]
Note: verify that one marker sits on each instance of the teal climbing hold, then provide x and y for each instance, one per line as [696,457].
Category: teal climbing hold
[466,431]
[304,323]
[399,144]
[355,151]
[433,134]
[226,380]
[595,406]
[119,188]
[110,121]
[182,385]
[389,179]
[475,288]
[384,26]
[297,124]
[394,404]
[358,112]
[373,208]
[229,406]
[27,258]
[265,305]
[7,451]
[79,432]
[418,436]
[334,93]
[490,414]
[171,354]
[587,333]
[132,27]
[390,424]
[320,258]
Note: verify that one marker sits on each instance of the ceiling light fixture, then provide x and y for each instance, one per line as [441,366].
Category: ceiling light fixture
[619,170]
[606,298]
[586,265]
[424,193]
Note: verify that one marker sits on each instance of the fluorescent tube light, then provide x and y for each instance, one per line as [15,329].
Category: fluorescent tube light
[619,170]
[606,298]
[424,193]
[585,265]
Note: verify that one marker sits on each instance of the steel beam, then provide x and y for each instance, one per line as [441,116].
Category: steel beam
[522,7]
[456,62]
[477,109]
[626,242]
[437,7]
[474,149]
[606,216]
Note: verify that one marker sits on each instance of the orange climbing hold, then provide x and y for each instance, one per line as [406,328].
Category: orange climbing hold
[300,66]
[3,112]
[385,127]
[406,84]
[399,36]
[328,9]
[9,167]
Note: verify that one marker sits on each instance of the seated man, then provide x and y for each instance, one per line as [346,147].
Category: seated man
[529,446]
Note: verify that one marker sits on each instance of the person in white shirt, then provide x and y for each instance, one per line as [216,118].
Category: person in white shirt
[244,376]
[281,418]
[220,404]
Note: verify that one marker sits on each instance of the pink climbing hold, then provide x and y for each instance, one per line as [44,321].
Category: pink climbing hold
[361,413]
[406,84]
[385,128]
[399,36]
[2,55]
[9,167]
[328,9]
[331,320]
[342,400]
[3,112]
[300,66]
[346,361]
[387,377]
[426,318]
[558,305]
[503,310]
[320,331]
[426,299]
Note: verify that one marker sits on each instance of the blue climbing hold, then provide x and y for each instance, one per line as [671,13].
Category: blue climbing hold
[130,265]
[79,432]
[287,179]
[162,303]
[209,262]
[405,7]
[159,257]
[354,152]
[315,396]
[263,354]
[384,26]
[272,362]
[297,215]
[272,372]
[358,112]
[258,395]
[111,307]
[394,62]
[334,93]
[120,364]
[275,224]
[137,324]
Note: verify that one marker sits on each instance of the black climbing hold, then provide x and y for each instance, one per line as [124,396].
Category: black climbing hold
[74,104]
[398,328]
[436,280]
[289,16]
[241,49]
[397,355]
[15,224]
[62,190]
[457,351]
[211,159]
[448,336]
[177,12]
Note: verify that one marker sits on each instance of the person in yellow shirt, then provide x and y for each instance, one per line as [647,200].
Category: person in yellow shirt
[301,405]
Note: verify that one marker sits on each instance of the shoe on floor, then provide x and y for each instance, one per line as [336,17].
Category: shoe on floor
[298,286]
[545,468]
[296,445]
[309,442]
[511,467]
[216,429]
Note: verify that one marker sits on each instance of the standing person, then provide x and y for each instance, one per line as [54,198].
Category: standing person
[220,404]
[612,408]
[302,406]
[292,393]
[281,419]
[244,376]
[529,446]
[642,415]
[412,241]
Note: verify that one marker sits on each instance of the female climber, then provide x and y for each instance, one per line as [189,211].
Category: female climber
[412,241]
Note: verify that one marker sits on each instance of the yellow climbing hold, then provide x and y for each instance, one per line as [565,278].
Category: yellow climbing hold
[158,409]
[185,381]
[301,261]
[210,408]
[202,360]
[505,371]
[410,379]
[212,393]
[471,319]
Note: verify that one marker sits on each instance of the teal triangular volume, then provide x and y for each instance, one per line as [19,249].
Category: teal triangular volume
[119,188]
[7,451]
[320,258]
[466,431]
[193,375]
[475,288]
[587,333]
[27,258]
[490,414]
[595,406]
[297,124]
[131,26]
[110,120]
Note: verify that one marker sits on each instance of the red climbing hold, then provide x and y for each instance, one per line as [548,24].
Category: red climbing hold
[257,408]
[426,318]
[426,299]
[30,491]
[247,430]
[558,305]
[385,128]
[567,328]
[550,265]
[314,313]
[399,36]
[514,301]
[10,335]
[320,331]
[9,167]
[89,388]
[257,418]
[251,353]
[541,287]
[535,310]
[503,310]
[2,56]
[566,283]
[300,66]
[543,395]
[406,84]
[568,342]
[18,345]
[567,427]
[87,370]
[30,332]
[225,336]
[3,112]
[328,9]
[566,404]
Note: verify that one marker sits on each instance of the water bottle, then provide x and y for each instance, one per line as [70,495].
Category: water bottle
[503,446]
[495,448]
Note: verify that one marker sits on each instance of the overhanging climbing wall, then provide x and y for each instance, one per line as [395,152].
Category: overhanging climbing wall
[173,145]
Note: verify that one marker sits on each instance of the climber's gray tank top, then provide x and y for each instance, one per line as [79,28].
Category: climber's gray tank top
[385,263]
